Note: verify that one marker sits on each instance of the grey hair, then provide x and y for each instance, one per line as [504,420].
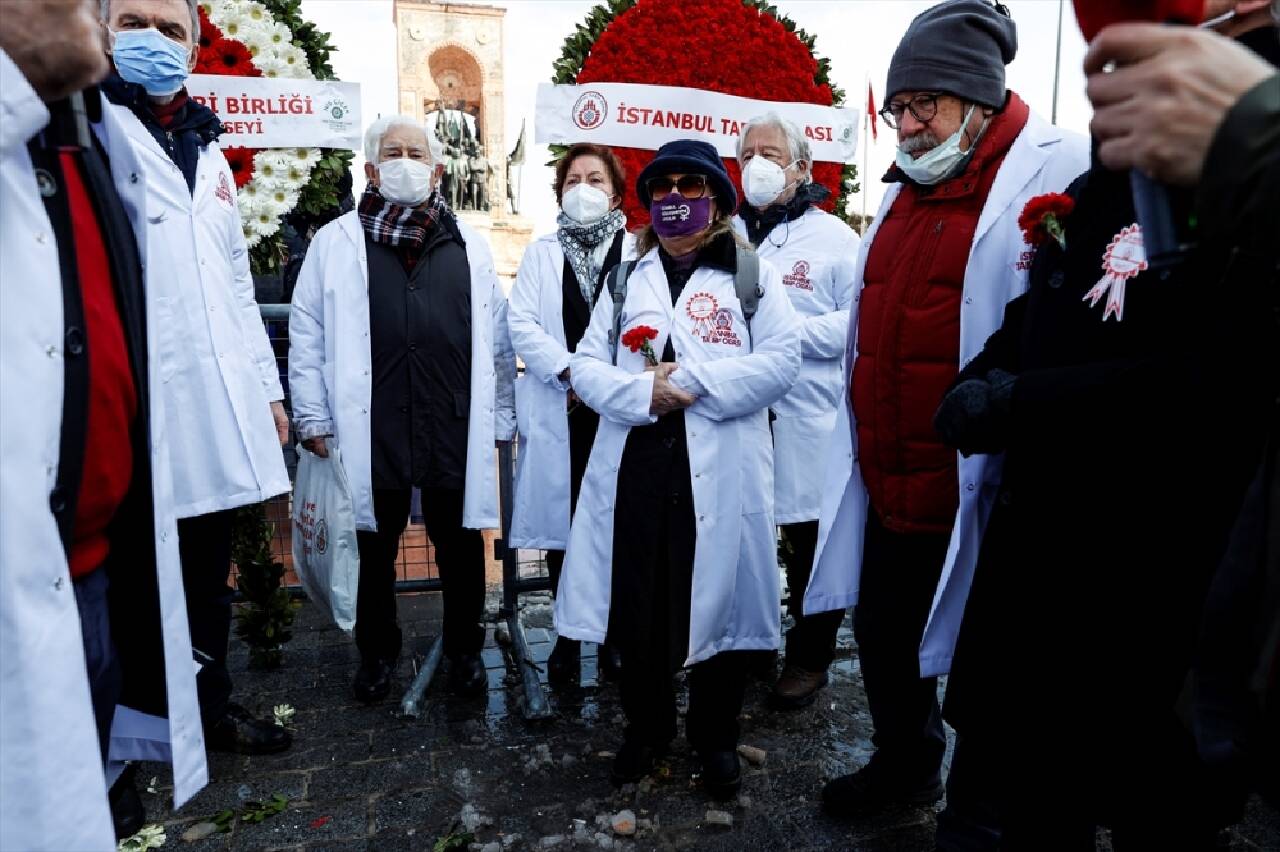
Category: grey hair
[377,130]
[104,7]
[797,144]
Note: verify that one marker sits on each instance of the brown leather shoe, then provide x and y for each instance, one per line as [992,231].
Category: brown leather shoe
[796,688]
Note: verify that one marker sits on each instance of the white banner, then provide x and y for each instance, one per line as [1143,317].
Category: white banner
[272,112]
[635,115]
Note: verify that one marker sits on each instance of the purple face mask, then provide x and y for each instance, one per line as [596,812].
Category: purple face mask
[677,216]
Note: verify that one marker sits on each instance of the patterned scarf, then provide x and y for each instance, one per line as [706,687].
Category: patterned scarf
[404,229]
[579,243]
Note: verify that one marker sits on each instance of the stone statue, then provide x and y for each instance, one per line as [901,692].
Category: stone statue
[479,170]
[456,165]
[448,179]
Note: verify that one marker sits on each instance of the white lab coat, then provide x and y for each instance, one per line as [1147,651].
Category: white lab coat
[218,374]
[540,516]
[1042,159]
[734,605]
[53,793]
[330,365]
[815,255]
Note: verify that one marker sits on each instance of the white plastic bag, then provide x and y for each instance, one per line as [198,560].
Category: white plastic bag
[325,555]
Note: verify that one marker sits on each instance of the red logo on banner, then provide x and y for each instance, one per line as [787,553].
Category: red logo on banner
[590,110]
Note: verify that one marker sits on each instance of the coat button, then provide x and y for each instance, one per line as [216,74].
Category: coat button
[413,347]
[75,341]
[57,585]
[41,237]
[969,486]
[133,178]
[58,500]
[51,351]
[1055,280]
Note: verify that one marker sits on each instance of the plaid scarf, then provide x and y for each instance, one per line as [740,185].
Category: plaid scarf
[579,243]
[404,229]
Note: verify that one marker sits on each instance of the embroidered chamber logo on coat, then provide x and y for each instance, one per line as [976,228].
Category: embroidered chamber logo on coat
[798,277]
[722,329]
[701,307]
[223,192]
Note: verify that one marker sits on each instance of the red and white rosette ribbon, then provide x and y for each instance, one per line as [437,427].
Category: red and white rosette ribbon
[1124,258]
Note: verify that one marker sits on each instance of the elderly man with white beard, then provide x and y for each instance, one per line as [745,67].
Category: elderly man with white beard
[399,355]
[901,511]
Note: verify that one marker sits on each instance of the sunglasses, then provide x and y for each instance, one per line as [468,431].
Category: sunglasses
[689,186]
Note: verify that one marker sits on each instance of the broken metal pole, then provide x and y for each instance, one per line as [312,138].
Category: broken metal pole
[412,704]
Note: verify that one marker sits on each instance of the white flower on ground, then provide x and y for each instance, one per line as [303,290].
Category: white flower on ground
[283,714]
[149,837]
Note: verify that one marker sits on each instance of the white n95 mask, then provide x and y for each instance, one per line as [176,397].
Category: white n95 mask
[584,204]
[763,181]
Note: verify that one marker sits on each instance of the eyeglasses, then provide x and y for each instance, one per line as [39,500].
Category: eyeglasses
[923,107]
[689,186]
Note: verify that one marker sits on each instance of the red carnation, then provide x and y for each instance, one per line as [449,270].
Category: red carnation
[231,58]
[637,340]
[1043,217]
[241,162]
[717,45]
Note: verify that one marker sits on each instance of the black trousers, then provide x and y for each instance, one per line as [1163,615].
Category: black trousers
[899,575]
[459,555]
[716,690]
[204,543]
[811,641]
[100,659]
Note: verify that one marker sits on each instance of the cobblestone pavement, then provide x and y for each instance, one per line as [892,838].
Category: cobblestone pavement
[362,777]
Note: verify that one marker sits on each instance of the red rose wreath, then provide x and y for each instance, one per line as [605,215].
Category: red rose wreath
[737,47]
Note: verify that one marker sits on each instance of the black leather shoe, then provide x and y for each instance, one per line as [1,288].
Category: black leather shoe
[634,761]
[127,812]
[467,677]
[564,664]
[608,662]
[872,789]
[721,773]
[373,680]
[237,731]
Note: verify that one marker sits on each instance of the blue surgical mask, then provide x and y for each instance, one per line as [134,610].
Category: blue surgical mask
[942,162]
[151,60]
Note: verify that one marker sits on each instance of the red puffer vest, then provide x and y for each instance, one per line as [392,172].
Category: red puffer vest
[909,335]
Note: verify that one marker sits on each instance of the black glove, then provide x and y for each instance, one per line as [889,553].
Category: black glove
[974,415]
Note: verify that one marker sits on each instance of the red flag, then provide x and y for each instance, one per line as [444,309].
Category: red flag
[871,110]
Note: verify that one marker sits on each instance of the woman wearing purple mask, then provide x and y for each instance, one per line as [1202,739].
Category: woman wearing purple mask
[671,551]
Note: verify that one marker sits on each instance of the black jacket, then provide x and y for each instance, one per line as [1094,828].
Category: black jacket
[1131,445]
[131,563]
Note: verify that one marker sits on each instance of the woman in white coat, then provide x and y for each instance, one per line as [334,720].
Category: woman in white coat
[559,281]
[399,354]
[671,552]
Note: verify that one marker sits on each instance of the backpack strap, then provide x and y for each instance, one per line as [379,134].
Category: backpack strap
[746,282]
[617,283]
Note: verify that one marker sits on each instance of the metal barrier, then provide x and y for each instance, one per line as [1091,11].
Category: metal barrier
[415,563]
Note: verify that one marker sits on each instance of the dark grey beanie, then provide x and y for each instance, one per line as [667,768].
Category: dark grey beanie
[960,47]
